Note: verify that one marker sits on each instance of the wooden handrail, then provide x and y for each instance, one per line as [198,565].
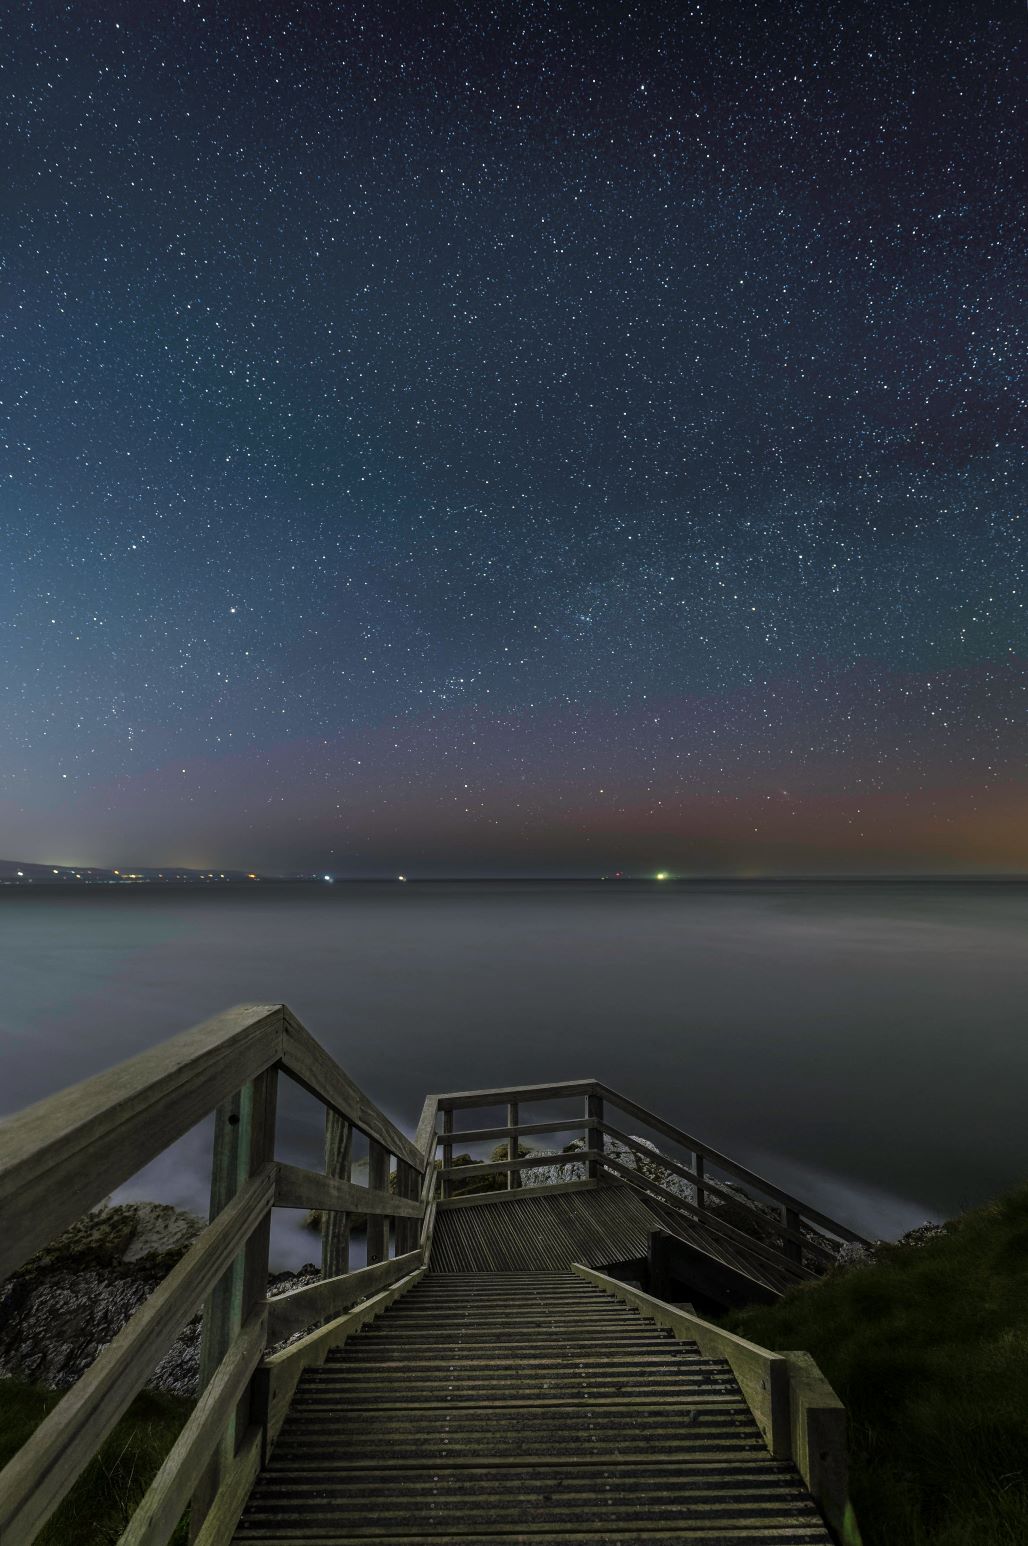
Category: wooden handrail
[661,1161]
[35,1480]
[594,1090]
[63,1155]
[740,1172]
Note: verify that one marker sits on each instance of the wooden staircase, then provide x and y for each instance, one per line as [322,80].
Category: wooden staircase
[493,1384]
[523,1408]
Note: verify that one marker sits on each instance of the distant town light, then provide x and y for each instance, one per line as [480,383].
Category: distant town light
[328,878]
[401,877]
[662,875]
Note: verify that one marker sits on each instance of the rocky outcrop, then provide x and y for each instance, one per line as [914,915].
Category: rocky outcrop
[68,1302]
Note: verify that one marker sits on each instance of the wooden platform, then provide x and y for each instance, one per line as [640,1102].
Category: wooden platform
[597,1223]
[519,1232]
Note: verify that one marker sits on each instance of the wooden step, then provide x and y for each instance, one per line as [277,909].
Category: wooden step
[522,1409]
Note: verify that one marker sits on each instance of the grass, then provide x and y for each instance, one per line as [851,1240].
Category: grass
[100,1504]
[928,1348]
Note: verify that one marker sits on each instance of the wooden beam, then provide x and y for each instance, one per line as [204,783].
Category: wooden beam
[168,1495]
[819,1443]
[35,1480]
[594,1132]
[299,1188]
[525,1129]
[220,1525]
[447,1158]
[520,1092]
[335,1224]
[378,1182]
[763,1376]
[63,1155]
[527,1162]
[304,1060]
[513,1146]
[425,1134]
[301,1307]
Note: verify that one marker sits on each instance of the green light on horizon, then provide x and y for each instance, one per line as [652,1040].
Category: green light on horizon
[662,875]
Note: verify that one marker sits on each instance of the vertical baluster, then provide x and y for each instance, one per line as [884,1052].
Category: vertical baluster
[701,1192]
[378,1181]
[244,1140]
[335,1227]
[407,1179]
[446,1189]
[513,1176]
[594,1135]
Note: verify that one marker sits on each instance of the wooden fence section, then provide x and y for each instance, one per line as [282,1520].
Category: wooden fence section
[746,1214]
[62,1156]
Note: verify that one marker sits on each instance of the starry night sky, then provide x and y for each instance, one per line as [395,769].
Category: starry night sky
[515,438]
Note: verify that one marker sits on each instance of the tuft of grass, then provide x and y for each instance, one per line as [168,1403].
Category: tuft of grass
[928,1348]
[101,1503]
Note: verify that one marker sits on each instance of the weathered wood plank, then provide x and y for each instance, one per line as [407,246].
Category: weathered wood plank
[304,1060]
[168,1495]
[527,1162]
[378,1182]
[426,1130]
[61,1156]
[447,1156]
[299,1188]
[41,1473]
[594,1132]
[763,1376]
[406,1226]
[220,1525]
[223,1312]
[513,1145]
[335,1225]
[301,1307]
[818,1441]
[520,1092]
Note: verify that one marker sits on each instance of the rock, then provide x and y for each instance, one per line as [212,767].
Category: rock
[70,1300]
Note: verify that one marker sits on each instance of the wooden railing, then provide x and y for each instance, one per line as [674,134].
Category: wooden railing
[64,1155]
[741,1208]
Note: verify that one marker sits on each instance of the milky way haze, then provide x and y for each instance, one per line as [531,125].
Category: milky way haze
[514,438]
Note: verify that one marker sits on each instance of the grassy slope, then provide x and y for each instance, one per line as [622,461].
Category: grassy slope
[101,1502]
[928,1348]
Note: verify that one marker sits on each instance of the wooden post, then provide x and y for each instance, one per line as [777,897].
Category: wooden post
[701,1194]
[446,1189]
[594,1135]
[335,1227]
[513,1176]
[244,1139]
[791,1248]
[407,1185]
[378,1181]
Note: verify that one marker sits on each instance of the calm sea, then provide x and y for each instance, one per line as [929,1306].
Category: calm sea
[864,1044]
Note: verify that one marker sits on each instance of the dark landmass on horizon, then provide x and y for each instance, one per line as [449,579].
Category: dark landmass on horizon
[25,873]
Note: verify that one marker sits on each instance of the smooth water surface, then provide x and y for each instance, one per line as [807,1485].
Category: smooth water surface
[863,1043]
